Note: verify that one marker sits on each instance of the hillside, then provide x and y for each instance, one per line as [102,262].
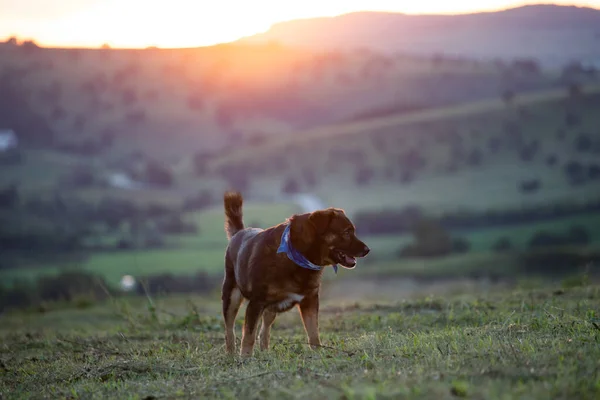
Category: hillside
[207,99]
[123,155]
[544,32]
[470,156]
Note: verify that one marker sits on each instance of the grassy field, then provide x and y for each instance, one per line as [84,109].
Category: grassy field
[535,343]
[188,254]
[334,131]
[184,255]
[471,156]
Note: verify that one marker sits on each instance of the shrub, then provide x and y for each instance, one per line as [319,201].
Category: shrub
[502,244]
[545,239]
[290,186]
[578,235]
[200,161]
[508,96]
[80,177]
[19,295]
[158,174]
[175,225]
[70,285]
[572,119]
[82,287]
[113,212]
[460,245]
[125,244]
[236,176]
[309,177]
[168,283]
[9,196]
[527,66]
[155,210]
[198,202]
[594,171]
[475,158]
[556,262]
[363,175]
[574,91]
[575,172]
[135,117]
[494,144]
[530,186]
[388,221]
[551,160]
[154,241]
[129,96]
[406,177]
[528,152]
[431,240]
[583,142]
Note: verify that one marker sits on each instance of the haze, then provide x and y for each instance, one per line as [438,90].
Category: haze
[187,23]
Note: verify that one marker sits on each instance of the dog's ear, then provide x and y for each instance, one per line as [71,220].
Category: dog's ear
[321,220]
[302,232]
[305,228]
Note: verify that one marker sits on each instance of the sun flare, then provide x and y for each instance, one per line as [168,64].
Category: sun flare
[191,23]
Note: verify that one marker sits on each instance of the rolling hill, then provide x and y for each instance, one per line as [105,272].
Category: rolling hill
[545,32]
[472,156]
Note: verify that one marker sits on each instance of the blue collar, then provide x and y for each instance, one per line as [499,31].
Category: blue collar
[294,255]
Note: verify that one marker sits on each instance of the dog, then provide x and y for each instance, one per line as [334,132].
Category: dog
[280,267]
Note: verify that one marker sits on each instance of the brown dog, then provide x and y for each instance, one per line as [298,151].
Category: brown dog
[280,267]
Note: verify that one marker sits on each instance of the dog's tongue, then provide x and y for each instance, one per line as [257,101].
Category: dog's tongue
[350,261]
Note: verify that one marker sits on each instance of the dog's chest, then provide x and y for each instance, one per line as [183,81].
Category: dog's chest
[288,302]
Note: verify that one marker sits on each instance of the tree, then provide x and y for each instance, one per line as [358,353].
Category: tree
[158,175]
[290,186]
[508,97]
[9,196]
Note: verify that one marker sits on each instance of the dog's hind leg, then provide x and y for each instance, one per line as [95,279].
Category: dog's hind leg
[265,330]
[254,311]
[232,300]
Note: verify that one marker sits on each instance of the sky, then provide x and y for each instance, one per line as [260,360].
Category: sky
[191,23]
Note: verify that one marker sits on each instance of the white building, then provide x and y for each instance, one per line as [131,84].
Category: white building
[8,139]
[123,181]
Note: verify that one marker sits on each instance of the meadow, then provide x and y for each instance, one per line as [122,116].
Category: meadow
[532,341]
[204,251]
[508,309]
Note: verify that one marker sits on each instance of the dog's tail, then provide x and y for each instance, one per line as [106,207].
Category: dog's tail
[233,213]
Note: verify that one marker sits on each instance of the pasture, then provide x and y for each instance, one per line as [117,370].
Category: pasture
[189,254]
[534,342]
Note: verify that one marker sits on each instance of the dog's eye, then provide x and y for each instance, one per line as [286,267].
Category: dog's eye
[347,232]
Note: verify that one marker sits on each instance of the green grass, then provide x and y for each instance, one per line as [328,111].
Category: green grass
[334,131]
[186,255]
[189,254]
[537,344]
[447,182]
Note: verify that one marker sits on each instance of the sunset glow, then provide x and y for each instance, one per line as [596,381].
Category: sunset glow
[190,23]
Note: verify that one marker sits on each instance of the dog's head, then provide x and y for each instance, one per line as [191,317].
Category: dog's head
[327,237]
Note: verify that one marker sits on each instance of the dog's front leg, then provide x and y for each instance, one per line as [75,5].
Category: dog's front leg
[309,311]
[254,311]
[265,330]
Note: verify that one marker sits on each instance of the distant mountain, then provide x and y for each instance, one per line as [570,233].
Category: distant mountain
[552,34]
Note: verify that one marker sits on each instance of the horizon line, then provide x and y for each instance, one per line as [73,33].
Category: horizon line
[100,46]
